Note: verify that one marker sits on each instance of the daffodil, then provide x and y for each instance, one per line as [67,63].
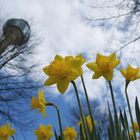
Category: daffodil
[6,131]
[136,127]
[62,71]
[88,120]
[131,134]
[104,66]
[44,132]
[131,73]
[70,133]
[39,103]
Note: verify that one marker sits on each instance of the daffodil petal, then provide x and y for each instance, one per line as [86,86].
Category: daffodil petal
[115,63]
[41,96]
[42,126]
[50,81]
[92,66]
[46,69]
[34,102]
[96,75]
[75,74]
[12,131]
[62,85]
[108,76]
[49,127]
[124,72]
[44,112]
[76,63]
[112,56]
[138,76]
[59,58]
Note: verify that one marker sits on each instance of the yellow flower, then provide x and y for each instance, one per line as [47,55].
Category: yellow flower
[131,134]
[88,119]
[39,103]
[130,73]
[70,133]
[136,127]
[63,70]
[6,132]
[44,132]
[104,66]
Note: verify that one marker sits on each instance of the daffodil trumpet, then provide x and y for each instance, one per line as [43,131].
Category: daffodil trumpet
[59,117]
[129,108]
[81,110]
[89,107]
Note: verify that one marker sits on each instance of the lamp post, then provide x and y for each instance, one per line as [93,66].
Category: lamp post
[15,32]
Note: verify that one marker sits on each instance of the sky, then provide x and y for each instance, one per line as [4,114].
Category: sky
[61,27]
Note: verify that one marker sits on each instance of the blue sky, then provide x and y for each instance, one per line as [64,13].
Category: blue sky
[60,27]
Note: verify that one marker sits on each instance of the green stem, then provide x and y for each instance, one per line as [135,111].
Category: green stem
[59,118]
[117,124]
[88,103]
[112,96]
[13,137]
[130,112]
[81,110]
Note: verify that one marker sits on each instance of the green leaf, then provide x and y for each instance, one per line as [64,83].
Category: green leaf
[111,129]
[110,134]
[117,127]
[81,133]
[55,134]
[125,131]
[126,120]
[137,110]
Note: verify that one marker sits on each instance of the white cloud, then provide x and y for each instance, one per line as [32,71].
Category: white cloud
[59,26]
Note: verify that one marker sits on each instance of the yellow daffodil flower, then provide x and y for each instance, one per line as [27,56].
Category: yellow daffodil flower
[130,73]
[44,132]
[39,103]
[88,119]
[6,132]
[63,70]
[131,134]
[136,127]
[70,133]
[104,66]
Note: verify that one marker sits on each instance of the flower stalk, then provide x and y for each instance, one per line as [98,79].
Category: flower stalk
[129,108]
[89,107]
[59,117]
[13,137]
[112,96]
[81,110]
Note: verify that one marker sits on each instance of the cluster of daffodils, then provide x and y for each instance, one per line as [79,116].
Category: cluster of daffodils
[63,71]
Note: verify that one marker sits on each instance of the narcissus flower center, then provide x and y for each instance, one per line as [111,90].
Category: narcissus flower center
[132,74]
[60,70]
[104,65]
[43,134]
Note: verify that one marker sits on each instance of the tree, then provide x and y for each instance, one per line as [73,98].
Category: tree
[18,84]
[122,15]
